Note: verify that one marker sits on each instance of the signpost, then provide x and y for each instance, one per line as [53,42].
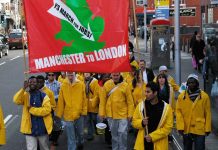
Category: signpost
[162,13]
[159,3]
[189,11]
[162,9]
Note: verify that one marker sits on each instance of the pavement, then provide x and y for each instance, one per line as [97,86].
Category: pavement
[186,69]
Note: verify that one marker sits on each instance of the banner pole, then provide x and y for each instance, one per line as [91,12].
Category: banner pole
[136,31]
[137,48]
[24,51]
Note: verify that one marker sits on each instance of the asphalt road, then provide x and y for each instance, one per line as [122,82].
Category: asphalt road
[11,79]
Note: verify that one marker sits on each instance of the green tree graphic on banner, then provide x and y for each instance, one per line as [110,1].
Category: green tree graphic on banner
[73,38]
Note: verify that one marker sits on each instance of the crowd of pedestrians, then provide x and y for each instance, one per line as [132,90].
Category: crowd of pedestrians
[138,100]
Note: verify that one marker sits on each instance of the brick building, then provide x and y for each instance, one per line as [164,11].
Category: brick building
[204,11]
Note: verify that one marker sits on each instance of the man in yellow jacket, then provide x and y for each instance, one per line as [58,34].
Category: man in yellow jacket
[72,105]
[46,90]
[53,137]
[193,115]
[2,128]
[117,104]
[36,121]
[154,119]
[92,94]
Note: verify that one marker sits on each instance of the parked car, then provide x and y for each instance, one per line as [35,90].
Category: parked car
[3,49]
[16,38]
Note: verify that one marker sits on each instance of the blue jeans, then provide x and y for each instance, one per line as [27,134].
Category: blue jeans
[75,136]
[91,122]
[198,140]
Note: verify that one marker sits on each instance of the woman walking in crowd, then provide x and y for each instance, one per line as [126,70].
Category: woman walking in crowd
[166,92]
[138,88]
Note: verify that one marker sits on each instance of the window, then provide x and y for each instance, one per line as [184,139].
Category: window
[15,35]
[182,3]
[139,2]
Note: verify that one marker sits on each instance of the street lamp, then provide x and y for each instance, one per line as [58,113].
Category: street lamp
[177,42]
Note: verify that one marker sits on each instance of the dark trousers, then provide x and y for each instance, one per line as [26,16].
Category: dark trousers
[148,145]
[108,137]
[198,140]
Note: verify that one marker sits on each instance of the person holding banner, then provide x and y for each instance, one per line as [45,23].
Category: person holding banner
[117,104]
[46,90]
[72,105]
[154,120]
[53,137]
[2,129]
[36,123]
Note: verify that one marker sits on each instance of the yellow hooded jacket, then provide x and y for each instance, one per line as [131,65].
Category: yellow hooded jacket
[2,128]
[135,63]
[172,98]
[51,96]
[80,76]
[138,93]
[22,98]
[117,105]
[93,97]
[60,79]
[193,117]
[128,78]
[160,135]
[72,101]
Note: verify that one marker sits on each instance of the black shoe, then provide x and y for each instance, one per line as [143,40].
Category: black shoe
[109,142]
[90,138]
[80,147]
[170,138]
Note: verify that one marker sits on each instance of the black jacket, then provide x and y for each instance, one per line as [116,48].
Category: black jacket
[150,74]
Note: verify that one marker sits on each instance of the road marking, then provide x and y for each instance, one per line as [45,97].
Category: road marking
[10,121]
[2,63]
[176,143]
[15,58]
[7,118]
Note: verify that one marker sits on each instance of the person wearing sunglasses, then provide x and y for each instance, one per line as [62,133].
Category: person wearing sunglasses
[53,84]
